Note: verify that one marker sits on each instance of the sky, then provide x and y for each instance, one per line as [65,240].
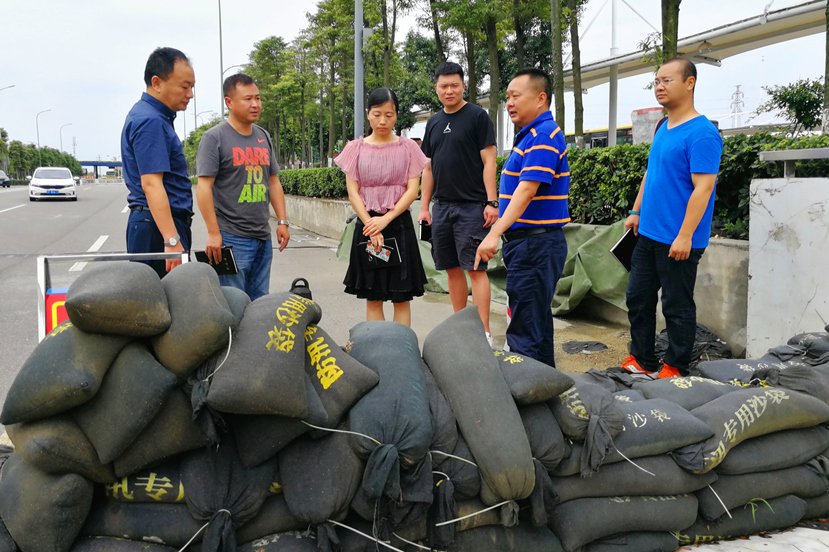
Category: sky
[84,60]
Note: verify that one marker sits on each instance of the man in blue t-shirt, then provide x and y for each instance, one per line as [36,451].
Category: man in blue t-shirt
[672,216]
[155,169]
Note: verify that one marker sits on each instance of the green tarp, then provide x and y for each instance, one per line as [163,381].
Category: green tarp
[589,268]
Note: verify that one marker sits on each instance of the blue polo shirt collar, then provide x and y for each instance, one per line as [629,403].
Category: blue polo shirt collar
[546,116]
[159,106]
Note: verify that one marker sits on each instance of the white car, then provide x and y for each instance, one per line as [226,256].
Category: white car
[52,182]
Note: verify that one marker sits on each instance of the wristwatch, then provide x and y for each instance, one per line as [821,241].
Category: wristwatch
[285,222]
[493,203]
[172,241]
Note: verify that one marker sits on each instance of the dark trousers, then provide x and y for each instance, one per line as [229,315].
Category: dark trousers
[143,236]
[652,269]
[534,265]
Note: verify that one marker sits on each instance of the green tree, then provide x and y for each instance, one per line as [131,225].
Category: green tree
[419,58]
[191,143]
[800,103]
[268,63]
[572,17]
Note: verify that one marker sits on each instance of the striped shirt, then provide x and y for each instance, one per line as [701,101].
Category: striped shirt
[540,155]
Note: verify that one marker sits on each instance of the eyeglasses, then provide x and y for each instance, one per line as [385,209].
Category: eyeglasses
[666,81]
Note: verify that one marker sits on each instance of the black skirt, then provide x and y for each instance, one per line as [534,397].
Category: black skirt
[397,284]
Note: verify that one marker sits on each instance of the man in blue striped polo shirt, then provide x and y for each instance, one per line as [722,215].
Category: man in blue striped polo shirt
[535,182]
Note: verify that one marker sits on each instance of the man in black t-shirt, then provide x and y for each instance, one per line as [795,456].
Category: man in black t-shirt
[460,142]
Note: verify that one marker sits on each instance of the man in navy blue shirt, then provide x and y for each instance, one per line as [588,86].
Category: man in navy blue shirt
[155,170]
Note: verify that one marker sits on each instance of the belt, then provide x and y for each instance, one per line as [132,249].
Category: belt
[512,235]
[183,216]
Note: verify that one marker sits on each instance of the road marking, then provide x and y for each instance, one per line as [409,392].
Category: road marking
[125,209]
[95,247]
[15,207]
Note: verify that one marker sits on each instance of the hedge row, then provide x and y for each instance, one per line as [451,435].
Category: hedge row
[604,181]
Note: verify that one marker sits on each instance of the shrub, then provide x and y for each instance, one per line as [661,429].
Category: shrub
[322,183]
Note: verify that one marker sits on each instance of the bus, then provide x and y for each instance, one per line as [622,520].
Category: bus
[597,138]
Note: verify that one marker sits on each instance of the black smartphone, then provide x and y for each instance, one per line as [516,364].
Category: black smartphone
[425,231]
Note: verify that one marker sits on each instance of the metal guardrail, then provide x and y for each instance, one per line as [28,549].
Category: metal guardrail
[790,157]
[44,280]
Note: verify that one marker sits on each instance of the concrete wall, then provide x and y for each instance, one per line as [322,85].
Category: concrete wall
[722,279]
[788,267]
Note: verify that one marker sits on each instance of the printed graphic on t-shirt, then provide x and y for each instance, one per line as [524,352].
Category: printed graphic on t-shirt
[447,130]
[254,190]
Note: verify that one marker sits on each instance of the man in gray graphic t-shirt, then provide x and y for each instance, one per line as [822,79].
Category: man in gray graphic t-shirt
[237,172]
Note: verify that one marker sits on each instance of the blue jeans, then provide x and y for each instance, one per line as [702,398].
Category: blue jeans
[143,236]
[253,258]
[652,269]
[534,265]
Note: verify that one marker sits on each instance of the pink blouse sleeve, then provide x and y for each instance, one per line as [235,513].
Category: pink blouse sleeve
[417,159]
[347,160]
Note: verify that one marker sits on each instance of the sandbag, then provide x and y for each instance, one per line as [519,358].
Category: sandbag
[320,477]
[578,522]
[759,516]
[519,538]
[748,413]
[775,451]
[587,412]
[222,493]
[531,381]
[273,517]
[131,395]
[112,544]
[265,370]
[201,319]
[461,360]
[167,524]
[443,421]
[42,512]
[395,412]
[57,445]
[638,541]
[613,379]
[65,370]
[161,484]
[171,432]
[120,298]
[811,380]
[808,480]
[817,507]
[623,478]
[282,542]
[816,344]
[7,543]
[688,392]
[740,371]
[237,301]
[462,471]
[628,395]
[547,443]
[707,346]
[259,438]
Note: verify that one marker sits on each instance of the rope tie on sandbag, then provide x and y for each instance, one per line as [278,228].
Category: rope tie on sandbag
[378,541]
[473,514]
[632,462]
[443,474]
[411,543]
[453,456]
[721,502]
[342,431]
[222,363]
[203,527]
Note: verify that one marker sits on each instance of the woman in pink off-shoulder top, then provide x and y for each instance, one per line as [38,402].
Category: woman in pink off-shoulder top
[383,176]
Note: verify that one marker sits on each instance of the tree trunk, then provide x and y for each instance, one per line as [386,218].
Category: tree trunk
[578,120]
[303,156]
[494,71]
[331,113]
[470,67]
[558,69]
[344,122]
[436,26]
[670,28]
[826,79]
[519,35]
[386,47]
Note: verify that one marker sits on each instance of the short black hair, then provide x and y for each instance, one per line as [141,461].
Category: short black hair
[540,79]
[448,68]
[161,63]
[233,81]
[688,68]
[379,96]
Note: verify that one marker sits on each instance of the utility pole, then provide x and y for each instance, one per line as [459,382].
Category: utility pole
[358,69]
[737,104]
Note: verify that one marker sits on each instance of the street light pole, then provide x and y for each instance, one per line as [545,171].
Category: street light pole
[37,127]
[9,86]
[359,117]
[61,135]
[203,112]
[221,59]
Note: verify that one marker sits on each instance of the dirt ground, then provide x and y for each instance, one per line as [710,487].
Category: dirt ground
[577,329]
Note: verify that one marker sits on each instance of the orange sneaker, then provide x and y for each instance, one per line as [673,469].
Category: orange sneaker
[668,371]
[630,365]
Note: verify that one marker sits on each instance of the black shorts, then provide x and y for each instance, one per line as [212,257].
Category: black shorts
[457,231]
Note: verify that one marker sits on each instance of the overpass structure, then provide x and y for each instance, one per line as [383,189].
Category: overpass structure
[709,47]
[97,164]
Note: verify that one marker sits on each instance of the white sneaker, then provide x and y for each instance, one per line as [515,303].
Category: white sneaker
[490,340]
